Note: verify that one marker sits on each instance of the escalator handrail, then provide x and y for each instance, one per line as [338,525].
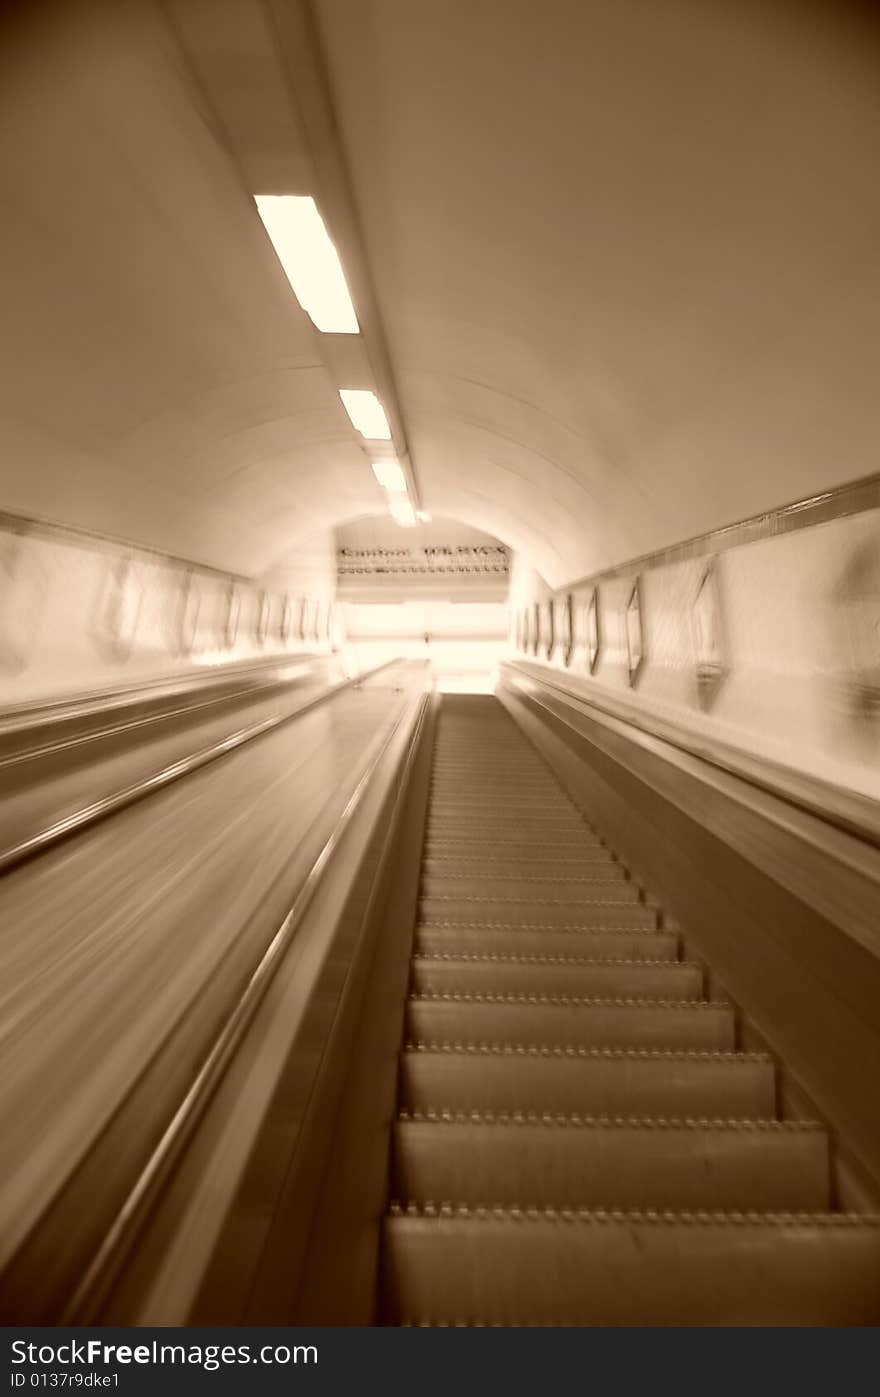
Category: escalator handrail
[853,814]
[87,815]
[111,1255]
[48,712]
[115,728]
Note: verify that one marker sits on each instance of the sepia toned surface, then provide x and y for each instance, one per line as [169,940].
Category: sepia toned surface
[439,663]
[99,970]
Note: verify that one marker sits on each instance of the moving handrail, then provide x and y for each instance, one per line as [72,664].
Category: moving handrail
[110,1257]
[90,814]
[249,683]
[844,810]
[71,707]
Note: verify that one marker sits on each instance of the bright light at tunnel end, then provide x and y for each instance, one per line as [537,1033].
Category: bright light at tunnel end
[310,261]
[366,413]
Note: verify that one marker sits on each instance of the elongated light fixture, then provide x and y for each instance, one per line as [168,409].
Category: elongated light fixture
[390,476]
[310,261]
[366,412]
[401,510]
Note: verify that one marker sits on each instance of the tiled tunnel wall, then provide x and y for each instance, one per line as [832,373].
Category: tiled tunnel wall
[771,646]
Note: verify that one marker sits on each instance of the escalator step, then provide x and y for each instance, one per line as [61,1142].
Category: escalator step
[490,831]
[502,821]
[558,910]
[602,918]
[577,863]
[569,886]
[509,773]
[486,845]
[572,1267]
[499,801]
[474,1077]
[548,803]
[509,974]
[568,1021]
[481,780]
[570,943]
[638,1163]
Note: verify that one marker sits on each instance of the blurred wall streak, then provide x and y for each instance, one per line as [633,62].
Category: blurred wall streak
[794,634]
[856,630]
[80,612]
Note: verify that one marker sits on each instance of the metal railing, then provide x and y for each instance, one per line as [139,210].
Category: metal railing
[120,1236]
[97,810]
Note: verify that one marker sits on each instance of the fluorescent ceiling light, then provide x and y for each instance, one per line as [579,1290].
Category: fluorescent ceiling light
[390,476]
[400,508]
[309,259]
[366,412]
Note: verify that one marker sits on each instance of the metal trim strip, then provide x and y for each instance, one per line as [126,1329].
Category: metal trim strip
[839,503]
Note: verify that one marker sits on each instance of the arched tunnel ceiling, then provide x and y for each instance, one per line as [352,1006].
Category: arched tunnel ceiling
[159,380]
[625,258]
[627,254]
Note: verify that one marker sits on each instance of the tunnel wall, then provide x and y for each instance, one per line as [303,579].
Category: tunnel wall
[770,645]
[79,612]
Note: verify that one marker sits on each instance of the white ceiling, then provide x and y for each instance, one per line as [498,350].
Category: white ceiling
[625,261]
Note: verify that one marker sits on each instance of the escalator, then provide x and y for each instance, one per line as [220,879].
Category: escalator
[579,1138]
[583,1132]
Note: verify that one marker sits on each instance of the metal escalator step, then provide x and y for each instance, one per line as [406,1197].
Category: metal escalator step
[511,758]
[519,848]
[489,792]
[511,817]
[507,770]
[496,864]
[503,782]
[504,806]
[558,910]
[487,755]
[494,831]
[475,1077]
[588,1023]
[502,817]
[451,750]
[489,830]
[502,803]
[470,856]
[486,740]
[489,797]
[511,773]
[524,974]
[516,941]
[485,758]
[602,916]
[582,1268]
[568,886]
[606,1163]
[500,820]
[601,889]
